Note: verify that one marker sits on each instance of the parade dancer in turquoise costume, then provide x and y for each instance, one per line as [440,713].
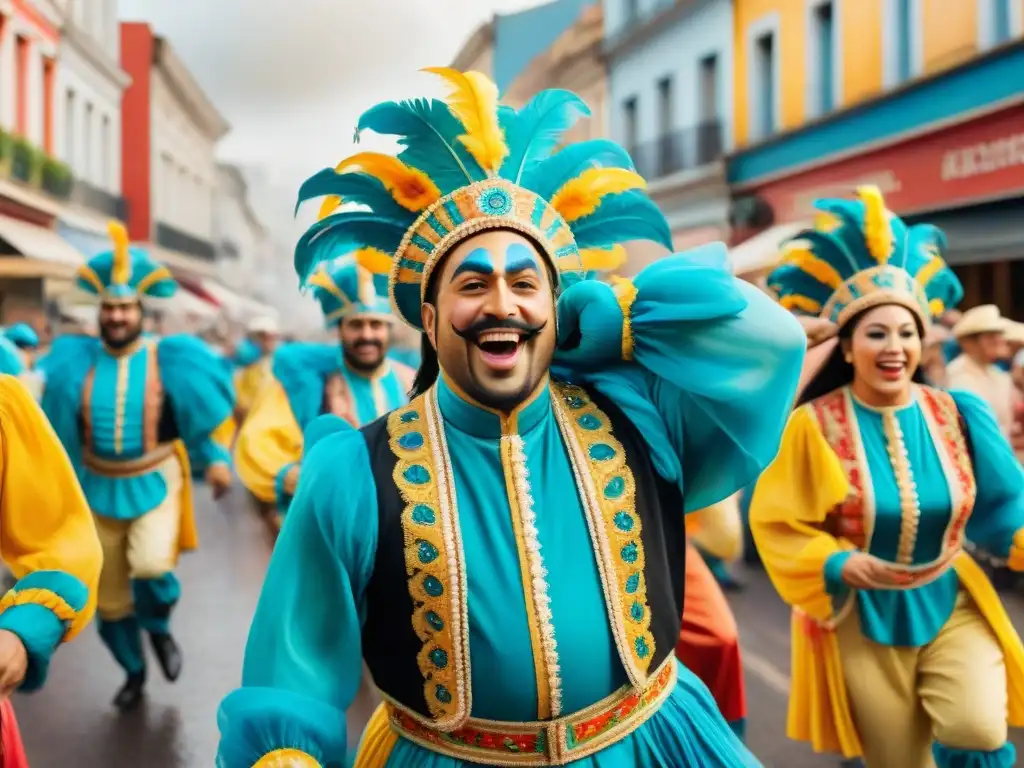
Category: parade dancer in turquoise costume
[506,552]
[353,379]
[130,410]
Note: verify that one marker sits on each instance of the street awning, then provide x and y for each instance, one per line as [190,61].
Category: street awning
[20,267]
[238,306]
[42,243]
[179,262]
[761,252]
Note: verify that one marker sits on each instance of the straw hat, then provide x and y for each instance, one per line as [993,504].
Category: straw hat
[267,325]
[983,319]
[1014,332]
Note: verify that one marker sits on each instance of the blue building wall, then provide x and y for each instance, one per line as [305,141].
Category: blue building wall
[676,50]
[983,83]
[520,37]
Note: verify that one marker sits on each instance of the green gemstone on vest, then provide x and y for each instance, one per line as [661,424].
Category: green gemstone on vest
[439,658]
[629,552]
[601,452]
[417,474]
[633,583]
[408,417]
[411,441]
[423,515]
[624,521]
[426,552]
[636,612]
[575,402]
[436,622]
[642,649]
[433,587]
[443,695]
[615,488]
[589,421]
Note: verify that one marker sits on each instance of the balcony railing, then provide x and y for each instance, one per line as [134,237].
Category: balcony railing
[681,150]
[176,240]
[99,200]
[638,23]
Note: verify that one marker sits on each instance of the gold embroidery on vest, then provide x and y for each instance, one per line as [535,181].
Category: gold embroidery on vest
[433,558]
[608,491]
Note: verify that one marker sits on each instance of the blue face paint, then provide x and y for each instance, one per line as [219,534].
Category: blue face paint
[479,261]
[520,258]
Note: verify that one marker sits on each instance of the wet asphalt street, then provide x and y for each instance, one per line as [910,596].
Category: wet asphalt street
[71,724]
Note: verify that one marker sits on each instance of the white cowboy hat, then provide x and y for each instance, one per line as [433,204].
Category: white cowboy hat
[1015,332]
[267,325]
[983,319]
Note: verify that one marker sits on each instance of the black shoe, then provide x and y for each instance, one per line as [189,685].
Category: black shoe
[168,654]
[131,692]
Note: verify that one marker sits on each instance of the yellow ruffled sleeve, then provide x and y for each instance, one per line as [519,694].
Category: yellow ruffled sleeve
[791,501]
[718,529]
[47,535]
[787,512]
[268,443]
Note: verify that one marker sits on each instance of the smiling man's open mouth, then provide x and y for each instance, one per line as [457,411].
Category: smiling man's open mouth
[500,341]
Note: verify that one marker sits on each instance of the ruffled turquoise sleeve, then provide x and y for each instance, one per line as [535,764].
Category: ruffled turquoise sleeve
[302,370]
[713,373]
[64,370]
[303,660]
[201,391]
[999,504]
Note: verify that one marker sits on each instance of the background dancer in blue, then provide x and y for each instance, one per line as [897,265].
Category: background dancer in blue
[523,511]
[131,410]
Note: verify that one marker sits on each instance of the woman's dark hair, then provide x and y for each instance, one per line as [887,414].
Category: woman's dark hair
[836,372]
[430,368]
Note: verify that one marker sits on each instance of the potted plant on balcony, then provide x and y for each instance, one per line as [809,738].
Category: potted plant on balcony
[5,148]
[24,159]
[56,178]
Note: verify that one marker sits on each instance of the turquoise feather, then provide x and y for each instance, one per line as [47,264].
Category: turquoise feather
[353,187]
[342,233]
[429,133]
[923,242]
[620,218]
[534,132]
[548,176]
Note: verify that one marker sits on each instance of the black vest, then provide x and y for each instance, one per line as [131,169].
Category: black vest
[390,644]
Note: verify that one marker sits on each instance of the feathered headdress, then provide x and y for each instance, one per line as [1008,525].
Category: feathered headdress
[470,165]
[860,255]
[125,273]
[347,288]
[22,335]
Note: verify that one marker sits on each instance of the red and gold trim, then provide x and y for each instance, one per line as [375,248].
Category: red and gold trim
[837,423]
[555,742]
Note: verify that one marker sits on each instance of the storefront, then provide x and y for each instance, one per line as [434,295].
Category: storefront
[963,172]
[36,263]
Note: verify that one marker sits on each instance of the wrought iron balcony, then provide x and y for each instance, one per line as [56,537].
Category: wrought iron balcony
[99,200]
[681,150]
[176,240]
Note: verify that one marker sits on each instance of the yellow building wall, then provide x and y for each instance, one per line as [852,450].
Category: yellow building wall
[950,37]
[950,33]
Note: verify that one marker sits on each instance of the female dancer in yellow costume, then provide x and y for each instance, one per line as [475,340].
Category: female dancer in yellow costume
[902,651]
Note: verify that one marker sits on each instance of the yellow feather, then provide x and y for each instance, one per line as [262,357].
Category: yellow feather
[877,232]
[121,269]
[581,196]
[474,102]
[817,268]
[328,206]
[827,222]
[603,259]
[411,188]
[799,302]
[375,261]
[937,307]
[321,279]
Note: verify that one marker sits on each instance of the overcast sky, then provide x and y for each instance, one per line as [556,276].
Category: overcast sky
[292,76]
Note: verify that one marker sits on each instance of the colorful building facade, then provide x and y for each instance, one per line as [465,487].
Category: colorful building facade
[928,105]
[670,76]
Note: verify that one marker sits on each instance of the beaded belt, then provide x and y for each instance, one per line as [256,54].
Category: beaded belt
[129,467]
[552,742]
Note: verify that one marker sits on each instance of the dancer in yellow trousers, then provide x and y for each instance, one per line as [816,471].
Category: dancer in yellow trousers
[902,651]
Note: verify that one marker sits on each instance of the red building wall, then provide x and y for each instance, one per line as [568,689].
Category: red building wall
[137,46]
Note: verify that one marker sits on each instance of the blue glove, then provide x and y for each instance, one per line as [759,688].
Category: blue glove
[589,326]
